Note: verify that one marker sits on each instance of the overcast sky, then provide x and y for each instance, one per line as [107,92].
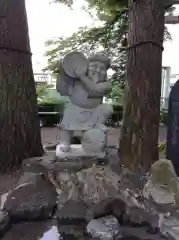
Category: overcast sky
[53,20]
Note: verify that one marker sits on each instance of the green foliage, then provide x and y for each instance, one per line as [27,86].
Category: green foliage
[116,94]
[49,100]
[111,37]
[108,38]
[51,106]
[116,118]
[162,147]
[47,93]
[41,89]
[69,3]
[83,40]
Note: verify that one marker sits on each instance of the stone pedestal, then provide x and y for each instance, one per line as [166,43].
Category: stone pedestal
[77,151]
[73,162]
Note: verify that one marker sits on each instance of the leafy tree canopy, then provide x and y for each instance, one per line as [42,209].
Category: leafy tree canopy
[89,41]
[110,37]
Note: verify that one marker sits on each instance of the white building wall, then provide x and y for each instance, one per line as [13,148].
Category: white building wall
[44,78]
[165,86]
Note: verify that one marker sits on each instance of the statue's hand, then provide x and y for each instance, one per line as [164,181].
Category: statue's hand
[104,87]
[86,81]
[93,88]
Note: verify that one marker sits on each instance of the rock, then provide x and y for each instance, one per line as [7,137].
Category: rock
[71,212]
[103,192]
[133,180]
[49,162]
[68,187]
[50,146]
[113,159]
[117,207]
[163,186]
[130,238]
[106,207]
[74,211]
[98,184]
[138,233]
[94,190]
[31,200]
[29,177]
[43,160]
[105,228]
[92,185]
[98,191]
[52,234]
[4,222]
[136,216]
[170,227]
[71,231]
[138,210]
[39,164]
[3,199]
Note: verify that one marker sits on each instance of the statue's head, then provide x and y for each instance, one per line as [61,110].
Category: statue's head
[98,65]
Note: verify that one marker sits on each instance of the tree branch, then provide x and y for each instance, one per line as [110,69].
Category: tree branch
[169,3]
[171,19]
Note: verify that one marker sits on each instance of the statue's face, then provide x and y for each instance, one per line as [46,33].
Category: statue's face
[97,71]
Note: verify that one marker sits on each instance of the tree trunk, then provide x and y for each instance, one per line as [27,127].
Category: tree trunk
[139,134]
[19,125]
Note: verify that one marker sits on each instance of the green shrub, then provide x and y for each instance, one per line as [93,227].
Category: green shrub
[42,89]
[54,105]
[48,95]
[162,147]
[116,117]
[50,106]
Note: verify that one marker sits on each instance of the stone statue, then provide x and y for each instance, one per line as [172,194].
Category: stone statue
[84,81]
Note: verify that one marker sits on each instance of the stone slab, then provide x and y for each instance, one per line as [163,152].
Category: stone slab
[49,162]
[77,151]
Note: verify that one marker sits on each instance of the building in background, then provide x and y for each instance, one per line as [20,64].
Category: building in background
[44,78]
[165,86]
[168,80]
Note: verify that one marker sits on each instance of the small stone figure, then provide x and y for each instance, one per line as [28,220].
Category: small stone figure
[84,81]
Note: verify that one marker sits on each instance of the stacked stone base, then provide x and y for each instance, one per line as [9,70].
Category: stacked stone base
[81,193]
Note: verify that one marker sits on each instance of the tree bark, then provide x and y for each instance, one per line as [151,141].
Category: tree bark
[19,125]
[139,134]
